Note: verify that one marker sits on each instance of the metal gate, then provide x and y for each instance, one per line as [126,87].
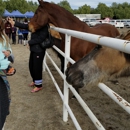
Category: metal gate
[121,45]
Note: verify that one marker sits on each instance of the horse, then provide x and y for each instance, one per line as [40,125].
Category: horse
[100,65]
[60,17]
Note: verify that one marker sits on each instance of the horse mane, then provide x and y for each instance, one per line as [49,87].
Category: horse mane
[125,36]
[60,10]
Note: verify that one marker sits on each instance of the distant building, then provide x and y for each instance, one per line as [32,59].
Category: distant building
[88,16]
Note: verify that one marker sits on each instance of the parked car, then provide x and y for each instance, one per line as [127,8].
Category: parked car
[93,22]
[87,21]
[124,21]
[127,23]
[117,23]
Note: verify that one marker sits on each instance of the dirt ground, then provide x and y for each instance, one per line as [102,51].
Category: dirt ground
[43,110]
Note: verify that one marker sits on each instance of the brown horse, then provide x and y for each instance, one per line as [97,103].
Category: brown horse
[59,17]
[98,66]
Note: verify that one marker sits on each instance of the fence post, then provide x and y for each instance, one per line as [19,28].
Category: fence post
[44,62]
[66,90]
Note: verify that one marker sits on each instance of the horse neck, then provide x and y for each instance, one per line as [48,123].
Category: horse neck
[57,42]
[67,22]
[72,25]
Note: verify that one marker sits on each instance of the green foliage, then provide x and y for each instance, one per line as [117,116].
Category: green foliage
[21,5]
[85,9]
[104,10]
[2,7]
[65,4]
[121,11]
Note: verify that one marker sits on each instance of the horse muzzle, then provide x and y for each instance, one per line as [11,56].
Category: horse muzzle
[75,78]
[31,28]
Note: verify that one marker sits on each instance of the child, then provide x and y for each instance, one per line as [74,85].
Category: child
[10,70]
[5,52]
[20,35]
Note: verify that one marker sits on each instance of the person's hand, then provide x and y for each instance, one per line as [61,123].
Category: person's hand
[6,53]
[11,21]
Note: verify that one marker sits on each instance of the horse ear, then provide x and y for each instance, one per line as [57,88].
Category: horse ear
[40,1]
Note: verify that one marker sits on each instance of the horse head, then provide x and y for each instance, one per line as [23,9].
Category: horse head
[49,13]
[40,17]
[98,66]
[79,74]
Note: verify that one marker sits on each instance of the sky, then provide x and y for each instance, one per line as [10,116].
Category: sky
[93,3]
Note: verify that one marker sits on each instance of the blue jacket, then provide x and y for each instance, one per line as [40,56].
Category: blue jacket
[4,60]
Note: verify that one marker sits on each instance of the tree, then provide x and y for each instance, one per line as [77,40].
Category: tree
[16,5]
[11,5]
[121,11]
[32,6]
[2,7]
[104,10]
[65,4]
[85,9]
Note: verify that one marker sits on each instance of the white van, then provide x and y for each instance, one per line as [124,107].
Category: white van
[117,23]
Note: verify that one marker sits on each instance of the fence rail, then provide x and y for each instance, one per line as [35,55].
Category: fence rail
[118,44]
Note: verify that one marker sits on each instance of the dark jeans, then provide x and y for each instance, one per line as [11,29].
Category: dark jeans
[25,36]
[20,38]
[14,38]
[4,103]
[36,65]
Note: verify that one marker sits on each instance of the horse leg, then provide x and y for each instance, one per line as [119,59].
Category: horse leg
[62,62]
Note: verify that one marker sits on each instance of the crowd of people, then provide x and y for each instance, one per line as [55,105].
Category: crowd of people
[12,31]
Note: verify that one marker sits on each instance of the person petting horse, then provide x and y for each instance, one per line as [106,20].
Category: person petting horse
[36,53]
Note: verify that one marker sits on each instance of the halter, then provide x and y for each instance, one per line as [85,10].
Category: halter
[98,47]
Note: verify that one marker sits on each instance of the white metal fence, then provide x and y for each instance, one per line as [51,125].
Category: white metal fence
[118,44]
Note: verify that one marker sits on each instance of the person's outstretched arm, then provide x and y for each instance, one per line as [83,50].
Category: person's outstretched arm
[18,24]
